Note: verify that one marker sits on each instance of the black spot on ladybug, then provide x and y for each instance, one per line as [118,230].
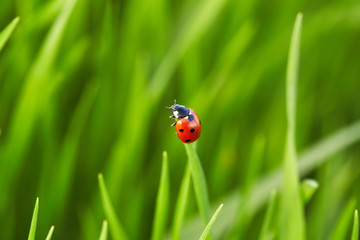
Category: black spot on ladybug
[189,140]
[192,130]
[191,117]
[181,130]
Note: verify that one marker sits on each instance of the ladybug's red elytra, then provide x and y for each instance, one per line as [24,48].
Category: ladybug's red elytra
[188,124]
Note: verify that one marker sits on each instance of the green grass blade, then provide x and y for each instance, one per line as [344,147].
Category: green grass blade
[200,22]
[162,202]
[328,146]
[309,160]
[50,48]
[344,223]
[31,100]
[355,231]
[130,143]
[251,176]
[104,230]
[210,224]
[292,73]
[89,225]
[266,233]
[293,225]
[219,75]
[116,228]
[49,236]
[200,186]
[308,188]
[6,33]
[45,14]
[67,157]
[181,203]
[34,221]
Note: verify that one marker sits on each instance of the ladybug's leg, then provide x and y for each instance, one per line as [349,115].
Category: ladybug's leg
[172,116]
[174,124]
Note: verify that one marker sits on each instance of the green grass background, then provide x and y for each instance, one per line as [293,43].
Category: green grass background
[83,90]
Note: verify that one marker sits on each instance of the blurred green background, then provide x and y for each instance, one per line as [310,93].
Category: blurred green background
[84,86]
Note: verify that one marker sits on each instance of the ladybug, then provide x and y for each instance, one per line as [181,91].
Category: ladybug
[188,124]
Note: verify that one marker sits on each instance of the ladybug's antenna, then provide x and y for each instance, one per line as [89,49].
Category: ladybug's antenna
[172,106]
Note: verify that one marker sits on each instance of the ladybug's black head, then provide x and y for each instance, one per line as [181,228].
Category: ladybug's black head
[179,111]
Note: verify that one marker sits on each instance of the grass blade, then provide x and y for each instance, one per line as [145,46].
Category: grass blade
[209,225]
[162,202]
[309,160]
[355,231]
[6,33]
[34,221]
[219,75]
[104,230]
[30,101]
[335,142]
[181,203]
[308,188]
[67,157]
[49,236]
[116,228]
[344,222]
[266,233]
[293,226]
[202,19]
[251,176]
[200,186]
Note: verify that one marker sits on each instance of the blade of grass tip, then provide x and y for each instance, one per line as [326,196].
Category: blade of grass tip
[308,188]
[355,231]
[116,228]
[162,202]
[49,236]
[8,30]
[34,221]
[181,203]
[200,186]
[266,233]
[342,228]
[104,230]
[293,226]
[207,229]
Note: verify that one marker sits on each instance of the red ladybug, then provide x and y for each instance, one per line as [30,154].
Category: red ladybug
[188,125]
